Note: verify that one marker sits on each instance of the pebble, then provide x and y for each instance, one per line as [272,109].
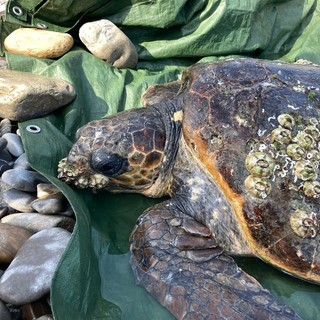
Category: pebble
[46,189]
[51,204]
[28,277]
[14,144]
[36,222]
[23,180]
[38,43]
[22,162]
[106,41]
[19,200]
[26,95]
[4,312]
[11,239]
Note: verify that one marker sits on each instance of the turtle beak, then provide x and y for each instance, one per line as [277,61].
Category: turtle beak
[70,174]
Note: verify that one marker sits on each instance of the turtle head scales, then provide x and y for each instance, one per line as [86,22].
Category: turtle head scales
[124,152]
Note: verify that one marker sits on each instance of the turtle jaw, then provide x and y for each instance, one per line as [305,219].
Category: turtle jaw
[70,174]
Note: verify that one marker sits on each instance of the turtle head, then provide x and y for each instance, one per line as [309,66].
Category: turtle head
[123,152]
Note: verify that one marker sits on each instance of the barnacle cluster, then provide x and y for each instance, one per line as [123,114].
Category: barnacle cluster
[69,173]
[292,152]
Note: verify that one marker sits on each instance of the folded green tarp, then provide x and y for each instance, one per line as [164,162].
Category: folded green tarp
[94,280]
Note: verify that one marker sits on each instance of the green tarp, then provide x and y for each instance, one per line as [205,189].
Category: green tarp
[94,280]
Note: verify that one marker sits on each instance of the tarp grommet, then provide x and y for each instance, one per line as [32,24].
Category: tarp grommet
[41,25]
[17,11]
[32,128]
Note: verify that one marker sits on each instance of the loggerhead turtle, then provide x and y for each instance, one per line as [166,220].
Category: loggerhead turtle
[236,145]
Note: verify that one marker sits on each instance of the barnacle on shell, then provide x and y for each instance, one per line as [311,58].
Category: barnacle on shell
[313,131]
[257,186]
[305,140]
[295,151]
[260,164]
[281,135]
[304,224]
[305,170]
[312,189]
[286,121]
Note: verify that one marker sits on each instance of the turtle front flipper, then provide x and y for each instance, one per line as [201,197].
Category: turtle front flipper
[177,260]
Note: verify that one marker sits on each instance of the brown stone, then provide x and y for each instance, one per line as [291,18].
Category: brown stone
[11,239]
[26,95]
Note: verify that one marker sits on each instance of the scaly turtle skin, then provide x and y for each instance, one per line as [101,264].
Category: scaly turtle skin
[236,144]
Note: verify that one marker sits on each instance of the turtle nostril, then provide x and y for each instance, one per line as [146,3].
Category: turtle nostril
[109,164]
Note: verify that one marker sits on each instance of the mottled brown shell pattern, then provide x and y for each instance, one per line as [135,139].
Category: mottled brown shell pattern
[255,127]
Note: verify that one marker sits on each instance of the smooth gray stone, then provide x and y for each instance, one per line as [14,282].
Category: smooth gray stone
[23,180]
[27,96]
[4,312]
[5,155]
[5,165]
[28,277]
[3,143]
[36,222]
[51,204]
[22,162]
[19,200]
[14,145]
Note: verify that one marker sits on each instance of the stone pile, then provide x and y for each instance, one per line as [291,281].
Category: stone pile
[36,220]
[35,228]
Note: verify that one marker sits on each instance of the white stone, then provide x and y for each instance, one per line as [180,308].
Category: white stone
[38,43]
[106,41]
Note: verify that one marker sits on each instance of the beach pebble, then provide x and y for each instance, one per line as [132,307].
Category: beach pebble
[29,275]
[14,145]
[50,204]
[26,95]
[11,239]
[19,200]
[4,312]
[36,221]
[106,41]
[46,189]
[23,180]
[22,162]
[38,43]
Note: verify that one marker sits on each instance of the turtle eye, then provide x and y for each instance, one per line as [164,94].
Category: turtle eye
[109,164]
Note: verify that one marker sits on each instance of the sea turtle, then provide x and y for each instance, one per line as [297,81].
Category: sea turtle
[236,145]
